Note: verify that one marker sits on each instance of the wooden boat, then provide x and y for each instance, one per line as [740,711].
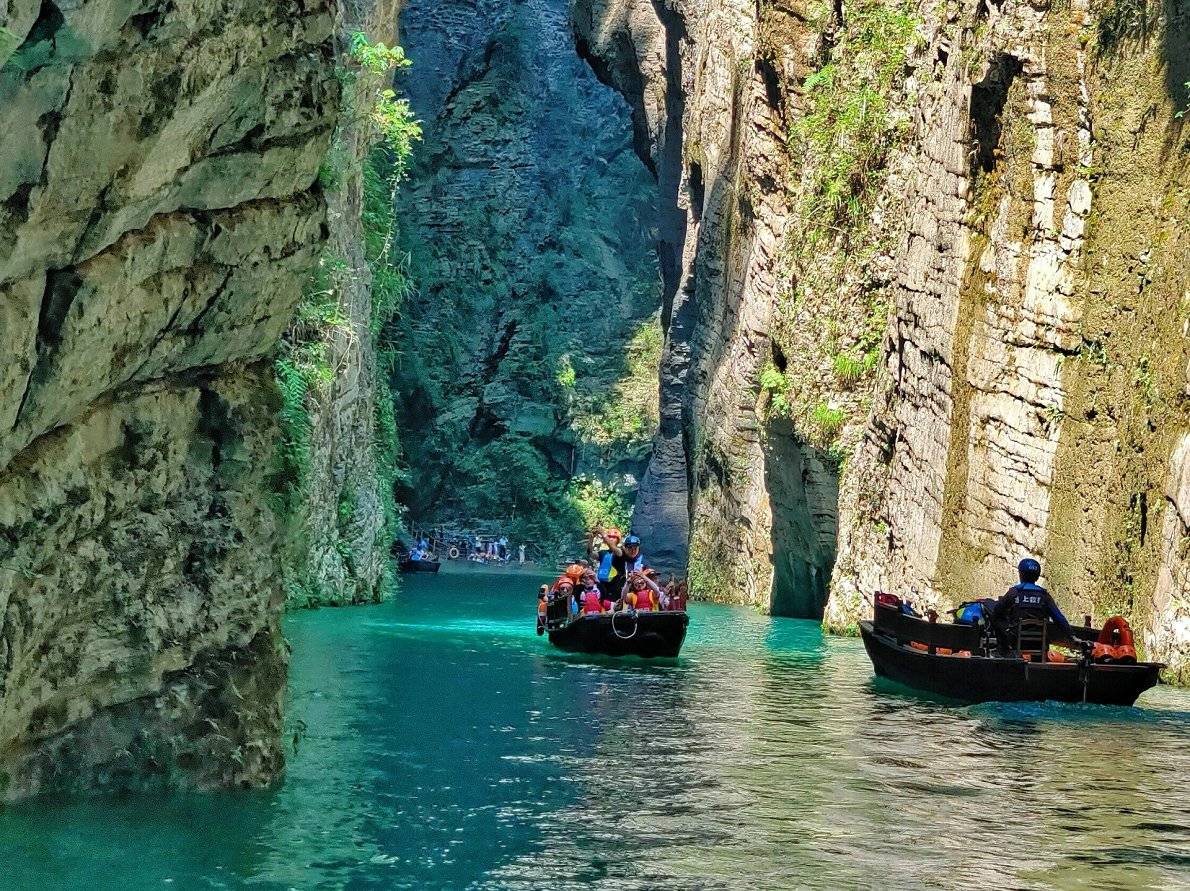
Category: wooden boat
[957,662]
[625,633]
[407,565]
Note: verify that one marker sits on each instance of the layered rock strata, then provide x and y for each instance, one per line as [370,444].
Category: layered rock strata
[339,537]
[1020,225]
[158,212]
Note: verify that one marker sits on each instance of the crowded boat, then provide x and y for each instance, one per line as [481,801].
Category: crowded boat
[612,603]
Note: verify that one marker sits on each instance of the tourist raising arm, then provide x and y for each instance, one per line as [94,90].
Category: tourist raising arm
[659,596]
[643,594]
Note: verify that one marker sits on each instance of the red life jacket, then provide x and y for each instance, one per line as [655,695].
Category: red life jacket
[592,602]
[1115,642]
[644,600]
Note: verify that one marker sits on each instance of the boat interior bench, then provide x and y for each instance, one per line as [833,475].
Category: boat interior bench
[935,635]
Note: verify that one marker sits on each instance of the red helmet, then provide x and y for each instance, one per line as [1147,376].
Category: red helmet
[564,582]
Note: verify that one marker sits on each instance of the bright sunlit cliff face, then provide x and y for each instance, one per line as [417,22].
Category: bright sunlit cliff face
[946,257]
[157,217]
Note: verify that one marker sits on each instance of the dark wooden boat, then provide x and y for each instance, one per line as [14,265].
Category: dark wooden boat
[625,633]
[956,661]
[407,565]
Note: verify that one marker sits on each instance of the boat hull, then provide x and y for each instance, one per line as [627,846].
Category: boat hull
[647,634]
[420,566]
[983,679]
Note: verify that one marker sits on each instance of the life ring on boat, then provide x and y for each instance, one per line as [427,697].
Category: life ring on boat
[635,626]
[453,553]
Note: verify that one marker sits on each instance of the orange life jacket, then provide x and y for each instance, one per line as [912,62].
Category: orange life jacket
[1115,642]
[644,600]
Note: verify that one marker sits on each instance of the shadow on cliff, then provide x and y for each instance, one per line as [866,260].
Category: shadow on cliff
[803,494]
[1176,56]
[1128,27]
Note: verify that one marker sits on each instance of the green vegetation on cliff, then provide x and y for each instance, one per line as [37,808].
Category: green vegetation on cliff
[527,385]
[831,321]
[352,296]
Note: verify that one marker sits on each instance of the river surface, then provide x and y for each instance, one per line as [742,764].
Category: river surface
[441,744]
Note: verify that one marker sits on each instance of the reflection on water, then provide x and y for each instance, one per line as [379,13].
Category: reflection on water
[446,745]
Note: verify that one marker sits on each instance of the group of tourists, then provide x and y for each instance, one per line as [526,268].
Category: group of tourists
[618,578]
[421,549]
[495,550]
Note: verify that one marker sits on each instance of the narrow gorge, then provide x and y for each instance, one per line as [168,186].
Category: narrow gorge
[527,381]
[930,290]
[845,297]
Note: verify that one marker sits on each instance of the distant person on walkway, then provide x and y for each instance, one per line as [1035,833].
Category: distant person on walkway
[522,555]
[1026,600]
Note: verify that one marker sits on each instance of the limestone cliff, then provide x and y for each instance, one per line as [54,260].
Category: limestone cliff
[158,212]
[340,517]
[530,227]
[948,247]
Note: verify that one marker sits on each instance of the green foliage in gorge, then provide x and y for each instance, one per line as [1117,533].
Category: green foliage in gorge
[848,130]
[599,504]
[626,414]
[775,386]
[305,368]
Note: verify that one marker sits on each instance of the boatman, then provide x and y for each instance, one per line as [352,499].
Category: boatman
[617,563]
[1026,600]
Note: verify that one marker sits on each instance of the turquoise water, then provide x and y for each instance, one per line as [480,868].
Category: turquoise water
[445,745]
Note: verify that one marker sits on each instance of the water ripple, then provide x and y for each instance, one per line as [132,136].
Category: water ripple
[449,747]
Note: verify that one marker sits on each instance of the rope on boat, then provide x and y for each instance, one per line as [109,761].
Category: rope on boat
[635,626]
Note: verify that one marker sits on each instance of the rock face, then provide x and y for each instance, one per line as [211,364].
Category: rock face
[530,225]
[1015,232]
[339,537]
[709,86]
[158,212]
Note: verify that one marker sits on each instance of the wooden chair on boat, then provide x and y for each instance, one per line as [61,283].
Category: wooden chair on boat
[1032,638]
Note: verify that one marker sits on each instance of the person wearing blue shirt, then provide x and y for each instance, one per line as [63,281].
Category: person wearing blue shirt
[617,563]
[1026,600]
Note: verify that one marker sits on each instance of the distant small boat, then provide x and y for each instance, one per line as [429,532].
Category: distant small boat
[649,634]
[954,660]
[407,565]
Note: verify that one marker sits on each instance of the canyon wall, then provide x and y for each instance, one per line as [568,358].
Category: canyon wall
[529,224]
[936,256]
[158,215]
[340,445]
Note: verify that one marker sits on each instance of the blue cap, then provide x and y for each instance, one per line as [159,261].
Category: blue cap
[632,540]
